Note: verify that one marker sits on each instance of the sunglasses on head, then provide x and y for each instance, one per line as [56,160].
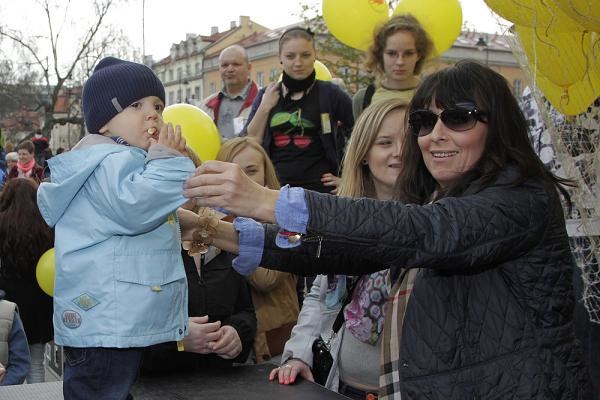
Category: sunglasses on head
[422,122]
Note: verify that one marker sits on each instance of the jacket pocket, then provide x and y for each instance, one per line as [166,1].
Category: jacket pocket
[150,294]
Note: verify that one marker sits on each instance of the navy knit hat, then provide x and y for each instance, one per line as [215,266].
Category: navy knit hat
[114,85]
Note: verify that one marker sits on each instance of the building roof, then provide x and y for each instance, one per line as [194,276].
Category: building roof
[267,36]
[493,41]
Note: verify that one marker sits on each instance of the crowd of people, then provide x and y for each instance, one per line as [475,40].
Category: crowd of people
[432,236]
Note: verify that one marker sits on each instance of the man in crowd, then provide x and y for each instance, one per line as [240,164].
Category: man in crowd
[229,108]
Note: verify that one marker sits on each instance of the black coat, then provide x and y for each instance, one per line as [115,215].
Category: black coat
[491,312]
[222,294]
[35,307]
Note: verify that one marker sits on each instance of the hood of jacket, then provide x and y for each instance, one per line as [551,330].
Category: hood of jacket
[70,171]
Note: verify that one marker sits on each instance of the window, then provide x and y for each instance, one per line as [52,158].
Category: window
[197,92]
[260,79]
[212,88]
[171,97]
[179,73]
[198,68]
[273,75]
[188,71]
[179,99]
[170,75]
[188,93]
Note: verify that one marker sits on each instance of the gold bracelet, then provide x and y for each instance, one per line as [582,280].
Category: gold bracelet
[203,236]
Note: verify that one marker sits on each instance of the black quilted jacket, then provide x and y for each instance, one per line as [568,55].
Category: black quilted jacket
[491,312]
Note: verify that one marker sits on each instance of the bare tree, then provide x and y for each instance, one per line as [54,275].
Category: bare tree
[66,61]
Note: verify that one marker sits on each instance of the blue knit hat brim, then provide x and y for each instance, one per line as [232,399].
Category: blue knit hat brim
[114,85]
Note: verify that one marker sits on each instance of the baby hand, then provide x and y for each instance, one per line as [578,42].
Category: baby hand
[172,138]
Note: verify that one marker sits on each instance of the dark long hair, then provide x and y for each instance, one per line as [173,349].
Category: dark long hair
[24,235]
[507,143]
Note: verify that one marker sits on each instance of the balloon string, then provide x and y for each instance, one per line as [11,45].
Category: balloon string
[582,14]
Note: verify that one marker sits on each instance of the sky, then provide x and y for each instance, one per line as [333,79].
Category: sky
[167,21]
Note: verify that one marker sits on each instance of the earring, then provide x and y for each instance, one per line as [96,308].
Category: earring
[364,162]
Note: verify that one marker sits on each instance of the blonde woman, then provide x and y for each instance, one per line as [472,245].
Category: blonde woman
[273,292]
[370,168]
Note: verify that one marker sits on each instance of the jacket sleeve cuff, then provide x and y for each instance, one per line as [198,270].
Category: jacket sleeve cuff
[157,151]
[251,241]
[291,210]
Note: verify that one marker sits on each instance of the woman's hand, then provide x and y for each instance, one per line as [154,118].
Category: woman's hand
[288,372]
[329,179]
[188,222]
[202,335]
[225,185]
[271,96]
[229,346]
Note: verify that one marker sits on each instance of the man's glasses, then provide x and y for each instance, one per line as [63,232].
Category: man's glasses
[422,122]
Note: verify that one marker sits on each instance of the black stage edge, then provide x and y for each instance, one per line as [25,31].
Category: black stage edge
[247,382]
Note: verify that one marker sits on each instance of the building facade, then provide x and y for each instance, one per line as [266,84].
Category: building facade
[191,72]
[182,72]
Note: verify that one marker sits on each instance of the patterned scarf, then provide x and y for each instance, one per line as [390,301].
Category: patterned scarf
[389,372]
[365,313]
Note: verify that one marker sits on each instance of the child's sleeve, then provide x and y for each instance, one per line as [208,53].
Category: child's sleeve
[19,360]
[134,199]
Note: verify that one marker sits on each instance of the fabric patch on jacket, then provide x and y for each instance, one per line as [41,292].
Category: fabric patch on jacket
[71,319]
[85,302]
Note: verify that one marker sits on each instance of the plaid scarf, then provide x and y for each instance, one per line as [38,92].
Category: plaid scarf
[389,370]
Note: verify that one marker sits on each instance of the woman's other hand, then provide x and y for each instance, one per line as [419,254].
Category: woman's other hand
[202,335]
[288,372]
[229,346]
[271,96]
[329,179]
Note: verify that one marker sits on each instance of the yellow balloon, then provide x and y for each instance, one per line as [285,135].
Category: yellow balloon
[200,132]
[574,99]
[442,20]
[541,14]
[352,22]
[44,272]
[585,12]
[560,57]
[322,73]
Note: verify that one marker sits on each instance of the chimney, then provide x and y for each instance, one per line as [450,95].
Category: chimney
[214,30]
[244,20]
[233,25]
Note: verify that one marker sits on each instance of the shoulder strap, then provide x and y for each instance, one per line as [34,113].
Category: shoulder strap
[368,95]
[339,320]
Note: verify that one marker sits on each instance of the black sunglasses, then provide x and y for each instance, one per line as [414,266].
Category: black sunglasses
[422,122]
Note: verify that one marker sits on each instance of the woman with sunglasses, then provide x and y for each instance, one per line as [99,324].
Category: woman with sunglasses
[490,315]
[396,57]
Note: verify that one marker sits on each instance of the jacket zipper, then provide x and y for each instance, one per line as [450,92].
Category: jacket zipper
[341,239]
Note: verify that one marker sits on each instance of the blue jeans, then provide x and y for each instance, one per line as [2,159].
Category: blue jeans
[100,373]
